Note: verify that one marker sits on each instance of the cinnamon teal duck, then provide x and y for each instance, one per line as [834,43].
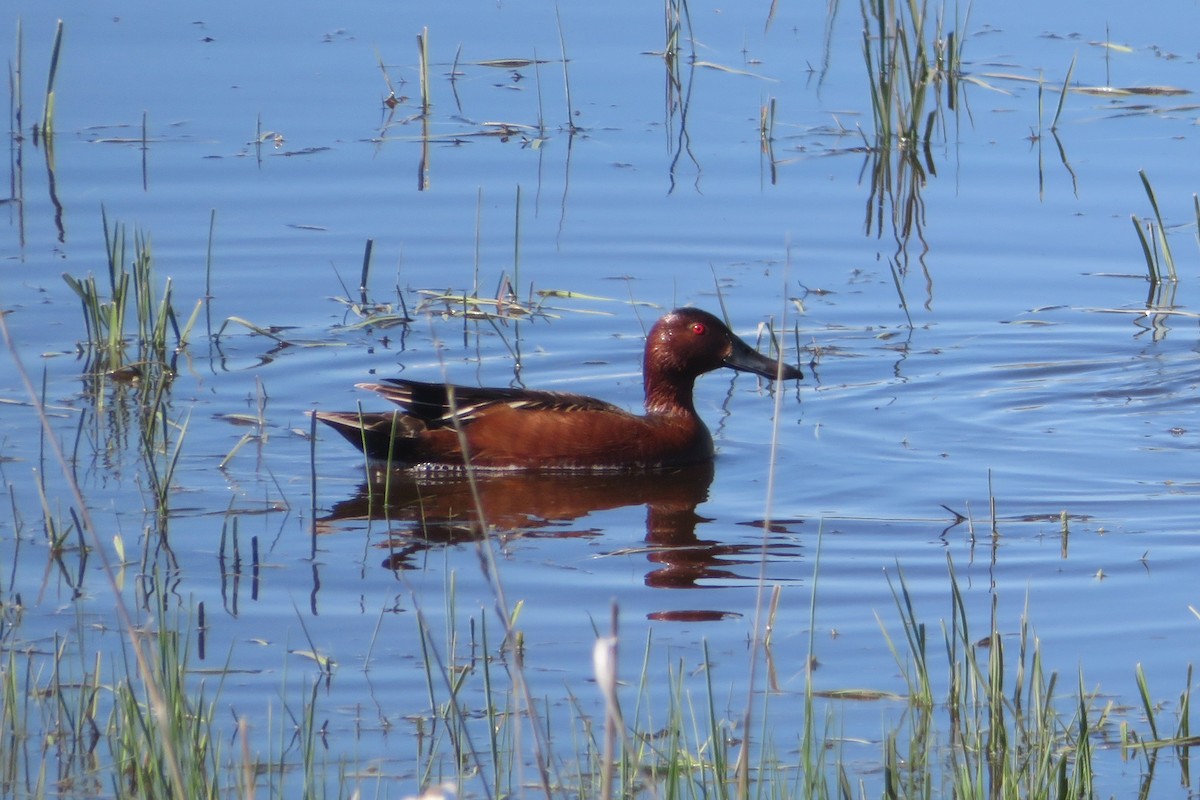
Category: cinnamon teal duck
[442,426]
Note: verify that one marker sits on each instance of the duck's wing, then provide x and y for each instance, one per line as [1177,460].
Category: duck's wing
[440,404]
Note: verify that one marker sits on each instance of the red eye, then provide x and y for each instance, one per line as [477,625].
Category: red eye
[698,328]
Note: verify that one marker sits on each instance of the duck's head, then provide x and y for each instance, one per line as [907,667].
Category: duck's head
[688,342]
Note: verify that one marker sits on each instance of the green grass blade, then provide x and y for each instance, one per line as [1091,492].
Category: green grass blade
[1062,96]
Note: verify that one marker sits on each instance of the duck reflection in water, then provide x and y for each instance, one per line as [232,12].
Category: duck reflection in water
[427,510]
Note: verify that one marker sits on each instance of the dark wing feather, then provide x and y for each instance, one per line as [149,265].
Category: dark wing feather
[431,402]
[381,436]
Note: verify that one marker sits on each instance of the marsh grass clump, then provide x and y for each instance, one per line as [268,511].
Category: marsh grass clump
[115,709]
[902,69]
[80,721]
[136,730]
[1006,723]
[133,340]
[909,57]
[111,327]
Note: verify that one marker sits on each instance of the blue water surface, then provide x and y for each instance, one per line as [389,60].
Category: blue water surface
[1006,349]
